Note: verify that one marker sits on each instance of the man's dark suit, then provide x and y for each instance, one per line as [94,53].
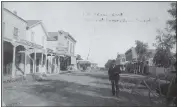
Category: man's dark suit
[114,76]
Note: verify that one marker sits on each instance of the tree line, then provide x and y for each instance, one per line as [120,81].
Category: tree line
[165,41]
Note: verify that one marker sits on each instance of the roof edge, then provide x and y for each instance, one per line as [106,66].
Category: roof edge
[69,35]
[14,15]
[35,24]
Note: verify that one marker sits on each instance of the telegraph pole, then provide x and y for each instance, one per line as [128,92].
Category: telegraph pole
[90,42]
[88,53]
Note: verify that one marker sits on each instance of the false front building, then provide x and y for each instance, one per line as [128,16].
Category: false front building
[64,45]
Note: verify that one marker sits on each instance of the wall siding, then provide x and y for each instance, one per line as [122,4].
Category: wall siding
[12,21]
[38,35]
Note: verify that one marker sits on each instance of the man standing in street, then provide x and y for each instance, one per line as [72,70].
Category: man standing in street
[114,76]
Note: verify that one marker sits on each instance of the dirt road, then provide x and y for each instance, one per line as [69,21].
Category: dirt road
[70,89]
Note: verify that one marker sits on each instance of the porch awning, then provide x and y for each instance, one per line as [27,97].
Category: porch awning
[61,48]
[29,51]
[49,50]
[25,42]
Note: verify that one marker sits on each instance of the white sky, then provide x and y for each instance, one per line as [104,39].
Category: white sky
[109,38]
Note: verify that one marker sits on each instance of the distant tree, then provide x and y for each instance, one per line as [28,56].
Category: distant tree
[164,40]
[164,43]
[78,57]
[108,64]
[141,50]
[163,58]
[172,12]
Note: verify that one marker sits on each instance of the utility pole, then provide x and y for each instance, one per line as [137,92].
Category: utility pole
[88,54]
[91,42]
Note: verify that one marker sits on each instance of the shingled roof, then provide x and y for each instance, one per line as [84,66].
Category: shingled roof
[61,31]
[53,36]
[32,22]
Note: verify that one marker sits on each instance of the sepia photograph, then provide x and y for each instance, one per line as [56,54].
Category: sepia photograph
[88,53]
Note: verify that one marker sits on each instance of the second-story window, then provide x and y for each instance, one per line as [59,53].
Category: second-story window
[68,45]
[73,48]
[32,36]
[15,32]
[43,39]
[3,28]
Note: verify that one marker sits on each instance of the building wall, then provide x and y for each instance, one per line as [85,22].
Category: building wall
[134,54]
[11,21]
[61,40]
[130,55]
[70,46]
[66,41]
[52,44]
[37,35]
[120,59]
[123,59]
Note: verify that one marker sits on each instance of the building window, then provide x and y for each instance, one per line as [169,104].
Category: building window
[15,32]
[43,39]
[68,45]
[3,29]
[73,48]
[32,36]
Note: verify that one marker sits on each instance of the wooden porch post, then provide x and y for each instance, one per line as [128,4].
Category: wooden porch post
[34,61]
[51,63]
[42,59]
[59,63]
[25,63]
[55,60]
[13,62]
[46,63]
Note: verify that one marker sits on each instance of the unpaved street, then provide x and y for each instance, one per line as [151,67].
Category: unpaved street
[70,89]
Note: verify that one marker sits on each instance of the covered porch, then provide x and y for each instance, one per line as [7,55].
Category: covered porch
[21,57]
[53,62]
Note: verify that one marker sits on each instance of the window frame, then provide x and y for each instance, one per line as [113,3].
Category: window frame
[43,39]
[68,45]
[73,48]
[15,32]
[32,36]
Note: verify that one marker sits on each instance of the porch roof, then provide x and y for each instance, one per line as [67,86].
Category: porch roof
[32,22]
[32,51]
[23,42]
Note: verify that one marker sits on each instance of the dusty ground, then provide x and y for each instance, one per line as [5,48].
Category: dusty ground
[72,89]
